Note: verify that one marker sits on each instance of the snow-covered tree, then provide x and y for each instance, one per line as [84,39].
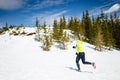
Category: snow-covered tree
[46,38]
[38,29]
[64,40]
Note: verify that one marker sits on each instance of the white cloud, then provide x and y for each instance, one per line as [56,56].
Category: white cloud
[105,7]
[45,3]
[48,17]
[11,4]
[114,8]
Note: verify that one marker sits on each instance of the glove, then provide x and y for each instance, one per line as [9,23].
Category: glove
[74,46]
[76,53]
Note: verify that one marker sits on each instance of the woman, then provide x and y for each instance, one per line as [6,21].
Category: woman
[80,53]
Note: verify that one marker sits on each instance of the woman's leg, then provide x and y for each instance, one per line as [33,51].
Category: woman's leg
[83,59]
[77,61]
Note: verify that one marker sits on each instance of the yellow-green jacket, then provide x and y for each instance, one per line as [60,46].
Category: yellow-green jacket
[79,46]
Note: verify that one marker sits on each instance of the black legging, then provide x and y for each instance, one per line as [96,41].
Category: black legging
[81,56]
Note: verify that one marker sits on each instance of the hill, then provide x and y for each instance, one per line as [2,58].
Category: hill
[21,58]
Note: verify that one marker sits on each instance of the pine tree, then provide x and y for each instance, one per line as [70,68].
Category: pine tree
[93,30]
[108,39]
[82,30]
[64,23]
[46,42]
[46,39]
[37,37]
[37,22]
[61,27]
[55,30]
[98,37]
[71,24]
[111,25]
[64,40]
[88,26]
[76,27]
[116,30]
[44,27]
[102,16]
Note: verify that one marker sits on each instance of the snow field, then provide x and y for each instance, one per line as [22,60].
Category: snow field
[21,58]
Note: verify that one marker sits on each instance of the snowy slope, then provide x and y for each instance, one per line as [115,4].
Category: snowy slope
[21,58]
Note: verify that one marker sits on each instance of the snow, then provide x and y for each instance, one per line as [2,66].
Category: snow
[21,58]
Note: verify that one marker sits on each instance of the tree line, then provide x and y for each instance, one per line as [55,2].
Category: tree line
[102,31]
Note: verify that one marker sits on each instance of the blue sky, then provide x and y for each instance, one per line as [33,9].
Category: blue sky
[16,12]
